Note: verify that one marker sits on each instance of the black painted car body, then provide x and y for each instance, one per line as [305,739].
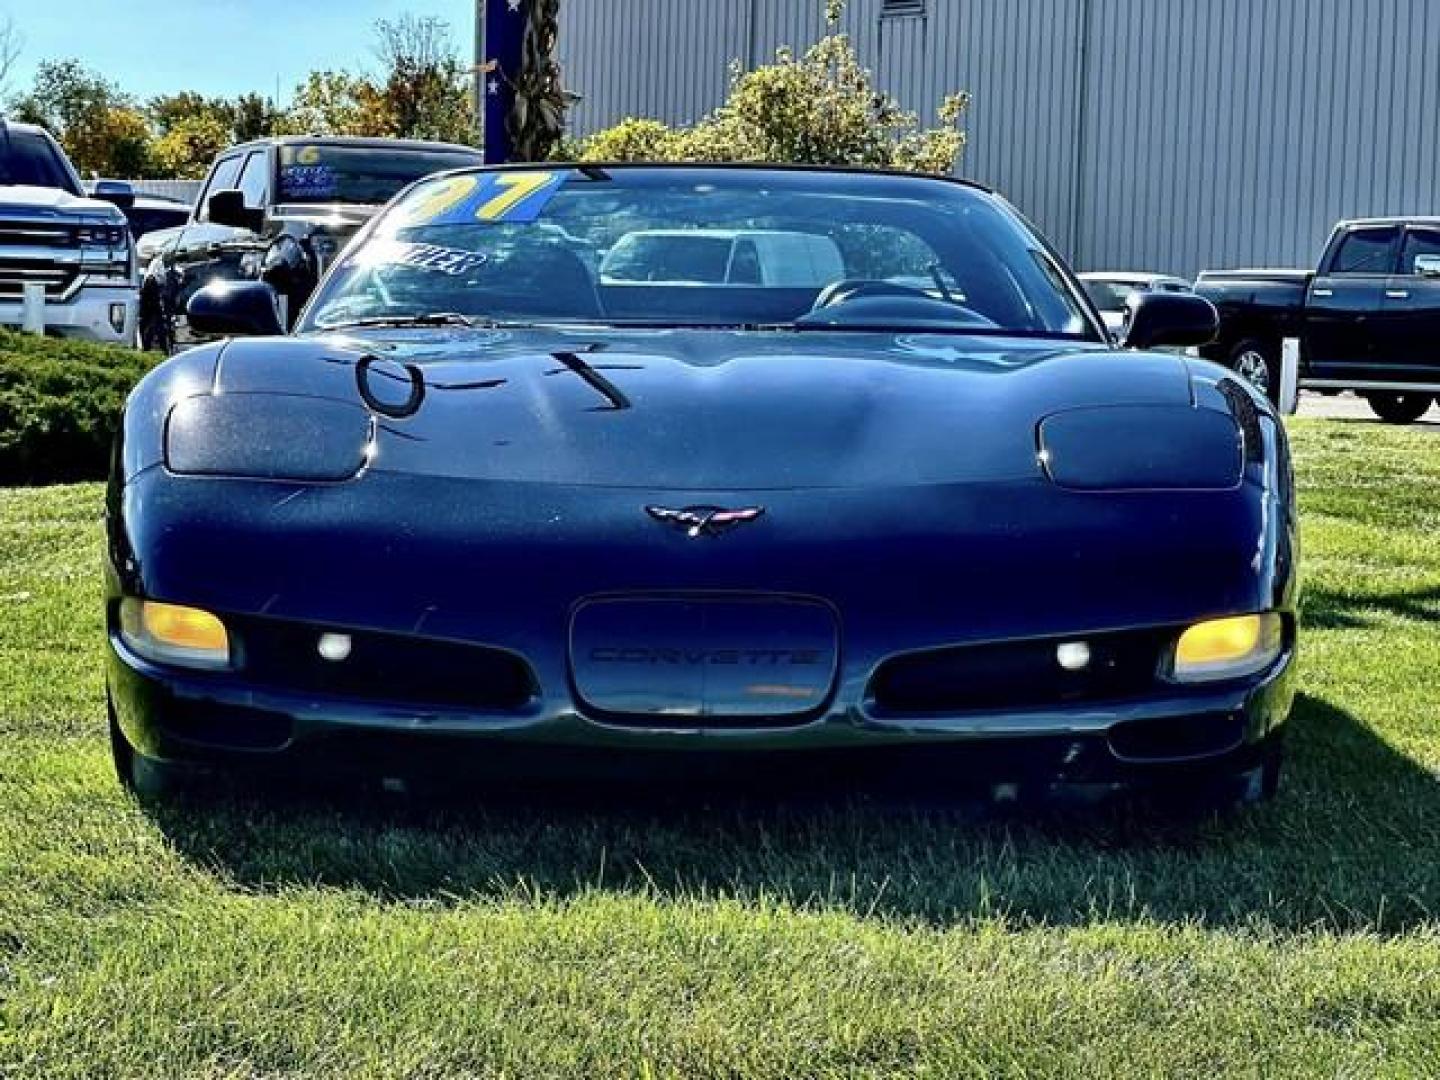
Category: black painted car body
[278,230]
[445,546]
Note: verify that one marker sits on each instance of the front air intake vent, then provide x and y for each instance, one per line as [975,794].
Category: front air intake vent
[1018,675]
[398,668]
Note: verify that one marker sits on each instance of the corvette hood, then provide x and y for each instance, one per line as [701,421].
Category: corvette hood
[704,410]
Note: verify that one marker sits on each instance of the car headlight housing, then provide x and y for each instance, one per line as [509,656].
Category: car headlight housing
[102,235]
[1230,648]
[174,634]
[1142,448]
[268,437]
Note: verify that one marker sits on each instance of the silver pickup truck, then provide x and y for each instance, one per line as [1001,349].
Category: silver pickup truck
[76,251]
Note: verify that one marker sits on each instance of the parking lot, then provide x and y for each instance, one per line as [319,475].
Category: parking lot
[1351,407]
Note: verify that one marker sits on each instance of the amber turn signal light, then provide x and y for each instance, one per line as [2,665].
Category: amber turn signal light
[174,634]
[1228,648]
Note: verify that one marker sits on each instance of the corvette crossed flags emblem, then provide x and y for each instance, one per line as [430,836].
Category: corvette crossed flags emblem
[704,520]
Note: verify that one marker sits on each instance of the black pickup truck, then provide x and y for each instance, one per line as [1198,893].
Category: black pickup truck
[1367,320]
[277,210]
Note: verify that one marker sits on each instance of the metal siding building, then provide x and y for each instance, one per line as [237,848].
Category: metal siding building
[1168,135]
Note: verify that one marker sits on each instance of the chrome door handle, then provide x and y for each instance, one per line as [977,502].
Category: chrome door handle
[1396,294]
[1324,294]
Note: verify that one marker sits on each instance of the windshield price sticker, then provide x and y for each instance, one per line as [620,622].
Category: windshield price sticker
[299,155]
[454,262]
[312,181]
[507,197]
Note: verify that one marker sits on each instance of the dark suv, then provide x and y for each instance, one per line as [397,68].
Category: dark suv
[279,210]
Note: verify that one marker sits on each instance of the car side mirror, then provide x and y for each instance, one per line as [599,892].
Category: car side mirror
[228,208]
[235,309]
[1427,265]
[116,192]
[1153,319]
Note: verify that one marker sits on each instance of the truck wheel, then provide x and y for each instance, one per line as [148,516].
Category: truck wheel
[156,332]
[1258,364]
[1399,408]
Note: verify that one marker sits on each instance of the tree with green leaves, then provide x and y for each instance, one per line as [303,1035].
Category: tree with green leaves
[253,116]
[335,103]
[244,118]
[423,87]
[191,144]
[170,110]
[102,129]
[420,93]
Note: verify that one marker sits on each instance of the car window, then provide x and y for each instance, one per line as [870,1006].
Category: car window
[145,220]
[633,246]
[255,180]
[745,265]
[1367,251]
[370,175]
[33,161]
[679,257]
[1111,295]
[1418,243]
[222,178]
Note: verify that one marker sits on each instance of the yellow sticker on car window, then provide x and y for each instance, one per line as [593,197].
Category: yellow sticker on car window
[515,189]
[517,196]
[430,203]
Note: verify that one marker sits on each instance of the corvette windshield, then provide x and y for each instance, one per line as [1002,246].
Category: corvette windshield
[701,247]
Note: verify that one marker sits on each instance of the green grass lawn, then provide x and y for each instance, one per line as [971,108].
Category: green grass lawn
[434,939]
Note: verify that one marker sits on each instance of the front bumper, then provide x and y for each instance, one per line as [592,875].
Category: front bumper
[86,315]
[220,718]
[423,567]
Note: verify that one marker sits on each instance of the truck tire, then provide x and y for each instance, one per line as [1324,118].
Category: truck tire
[1397,408]
[1258,363]
[155,330]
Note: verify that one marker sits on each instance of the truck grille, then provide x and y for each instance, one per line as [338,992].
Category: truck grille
[15,274]
[36,234]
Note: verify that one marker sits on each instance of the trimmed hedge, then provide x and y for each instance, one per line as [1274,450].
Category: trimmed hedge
[60,404]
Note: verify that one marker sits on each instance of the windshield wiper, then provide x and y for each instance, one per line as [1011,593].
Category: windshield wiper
[427,318]
[935,329]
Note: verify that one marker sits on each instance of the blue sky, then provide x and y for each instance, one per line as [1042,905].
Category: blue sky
[212,46]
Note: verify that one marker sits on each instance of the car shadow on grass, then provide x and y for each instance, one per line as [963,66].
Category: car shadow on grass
[1335,610]
[1349,843]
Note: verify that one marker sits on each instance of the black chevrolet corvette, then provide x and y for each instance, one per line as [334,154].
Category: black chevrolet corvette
[671,468]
